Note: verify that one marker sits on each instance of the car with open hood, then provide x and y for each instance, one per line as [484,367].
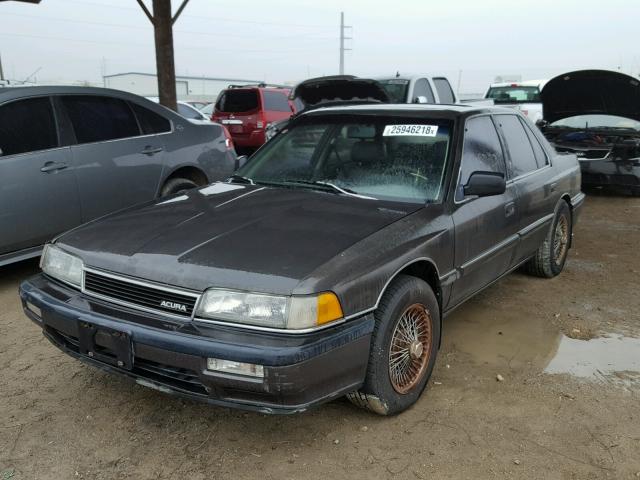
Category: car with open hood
[595,114]
[322,268]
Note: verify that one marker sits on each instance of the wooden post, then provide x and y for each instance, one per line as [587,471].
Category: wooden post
[163,29]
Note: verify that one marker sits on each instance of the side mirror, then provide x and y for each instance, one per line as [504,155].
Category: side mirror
[240,161]
[542,124]
[420,99]
[485,184]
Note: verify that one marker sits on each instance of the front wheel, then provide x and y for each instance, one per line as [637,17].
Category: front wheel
[175,185]
[551,256]
[403,348]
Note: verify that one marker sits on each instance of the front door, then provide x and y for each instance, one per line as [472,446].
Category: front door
[38,191]
[485,227]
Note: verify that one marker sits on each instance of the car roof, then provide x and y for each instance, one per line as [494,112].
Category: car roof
[525,83]
[413,109]
[411,76]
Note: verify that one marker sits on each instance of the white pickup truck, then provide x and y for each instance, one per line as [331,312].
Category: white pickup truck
[523,96]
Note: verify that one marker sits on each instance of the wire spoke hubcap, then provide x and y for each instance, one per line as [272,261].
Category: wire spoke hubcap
[410,348]
[560,240]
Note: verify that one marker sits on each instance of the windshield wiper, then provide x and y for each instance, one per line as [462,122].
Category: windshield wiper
[335,188]
[241,179]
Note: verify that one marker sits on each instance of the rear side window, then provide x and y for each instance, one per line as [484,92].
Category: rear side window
[150,122]
[275,101]
[538,151]
[27,126]
[423,89]
[188,112]
[241,100]
[96,118]
[521,154]
[481,152]
[444,90]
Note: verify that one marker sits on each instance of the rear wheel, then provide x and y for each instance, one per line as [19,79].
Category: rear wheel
[175,185]
[551,256]
[403,348]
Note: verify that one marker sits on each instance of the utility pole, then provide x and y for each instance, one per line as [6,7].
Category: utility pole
[1,72]
[162,21]
[342,39]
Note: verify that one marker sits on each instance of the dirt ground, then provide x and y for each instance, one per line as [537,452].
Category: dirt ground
[60,419]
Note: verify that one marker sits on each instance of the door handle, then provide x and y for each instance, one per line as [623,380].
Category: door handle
[53,167]
[149,150]
[509,209]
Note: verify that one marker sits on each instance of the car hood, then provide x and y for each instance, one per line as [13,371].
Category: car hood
[233,236]
[588,92]
[338,88]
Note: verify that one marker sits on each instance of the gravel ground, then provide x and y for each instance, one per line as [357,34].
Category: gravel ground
[60,419]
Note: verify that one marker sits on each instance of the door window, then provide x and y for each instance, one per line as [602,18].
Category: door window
[275,102]
[151,122]
[444,90]
[97,118]
[27,126]
[521,154]
[538,151]
[423,89]
[481,152]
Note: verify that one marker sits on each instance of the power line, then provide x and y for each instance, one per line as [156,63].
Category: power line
[135,27]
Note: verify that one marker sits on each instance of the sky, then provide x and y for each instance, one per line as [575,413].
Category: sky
[470,41]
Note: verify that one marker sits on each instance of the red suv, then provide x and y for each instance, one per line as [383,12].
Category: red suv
[246,111]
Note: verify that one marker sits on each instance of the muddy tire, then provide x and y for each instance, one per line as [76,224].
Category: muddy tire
[404,346]
[550,258]
[175,185]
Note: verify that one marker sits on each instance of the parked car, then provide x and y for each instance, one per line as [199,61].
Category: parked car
[523,96]
[323,267]
[418,89]
[187,110]
[329,90]
[247,110]
[198,104]
[72,154]
[207,110]
[595,114]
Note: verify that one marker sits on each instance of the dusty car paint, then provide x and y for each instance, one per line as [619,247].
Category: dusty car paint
[290,241]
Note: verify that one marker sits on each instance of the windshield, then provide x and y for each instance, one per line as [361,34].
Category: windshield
[396,88]
[597,121]
[241,100]
[389,158]
[514,94]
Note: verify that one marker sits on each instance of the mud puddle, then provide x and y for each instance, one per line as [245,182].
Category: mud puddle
[487,333]
[611,359]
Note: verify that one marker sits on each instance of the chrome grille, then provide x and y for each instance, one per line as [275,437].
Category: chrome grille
[139,294]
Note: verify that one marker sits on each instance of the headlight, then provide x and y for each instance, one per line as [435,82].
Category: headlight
[62,266]
[273,311]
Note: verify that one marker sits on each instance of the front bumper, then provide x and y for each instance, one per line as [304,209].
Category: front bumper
[300,370]
[621,173]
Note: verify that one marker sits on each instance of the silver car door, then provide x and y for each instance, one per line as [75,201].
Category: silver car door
[38,190]
[117,164]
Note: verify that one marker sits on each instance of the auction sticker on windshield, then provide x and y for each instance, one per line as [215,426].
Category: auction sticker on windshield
[410,130]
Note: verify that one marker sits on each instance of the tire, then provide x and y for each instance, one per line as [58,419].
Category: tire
[175,185]
[384,392]
[550,257]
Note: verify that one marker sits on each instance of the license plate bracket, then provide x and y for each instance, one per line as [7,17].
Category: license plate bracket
[105,344]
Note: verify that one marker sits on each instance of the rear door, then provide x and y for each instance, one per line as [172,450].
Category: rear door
[529,174]
[485,227]
[116,163]
[38,190]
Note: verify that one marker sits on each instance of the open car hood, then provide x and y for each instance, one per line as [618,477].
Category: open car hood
[587,92]
[338,88]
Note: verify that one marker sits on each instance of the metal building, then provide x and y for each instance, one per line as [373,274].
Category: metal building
[187,87]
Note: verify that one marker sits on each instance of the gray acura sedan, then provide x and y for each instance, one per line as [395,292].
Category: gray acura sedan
[323,267]
[72,154]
